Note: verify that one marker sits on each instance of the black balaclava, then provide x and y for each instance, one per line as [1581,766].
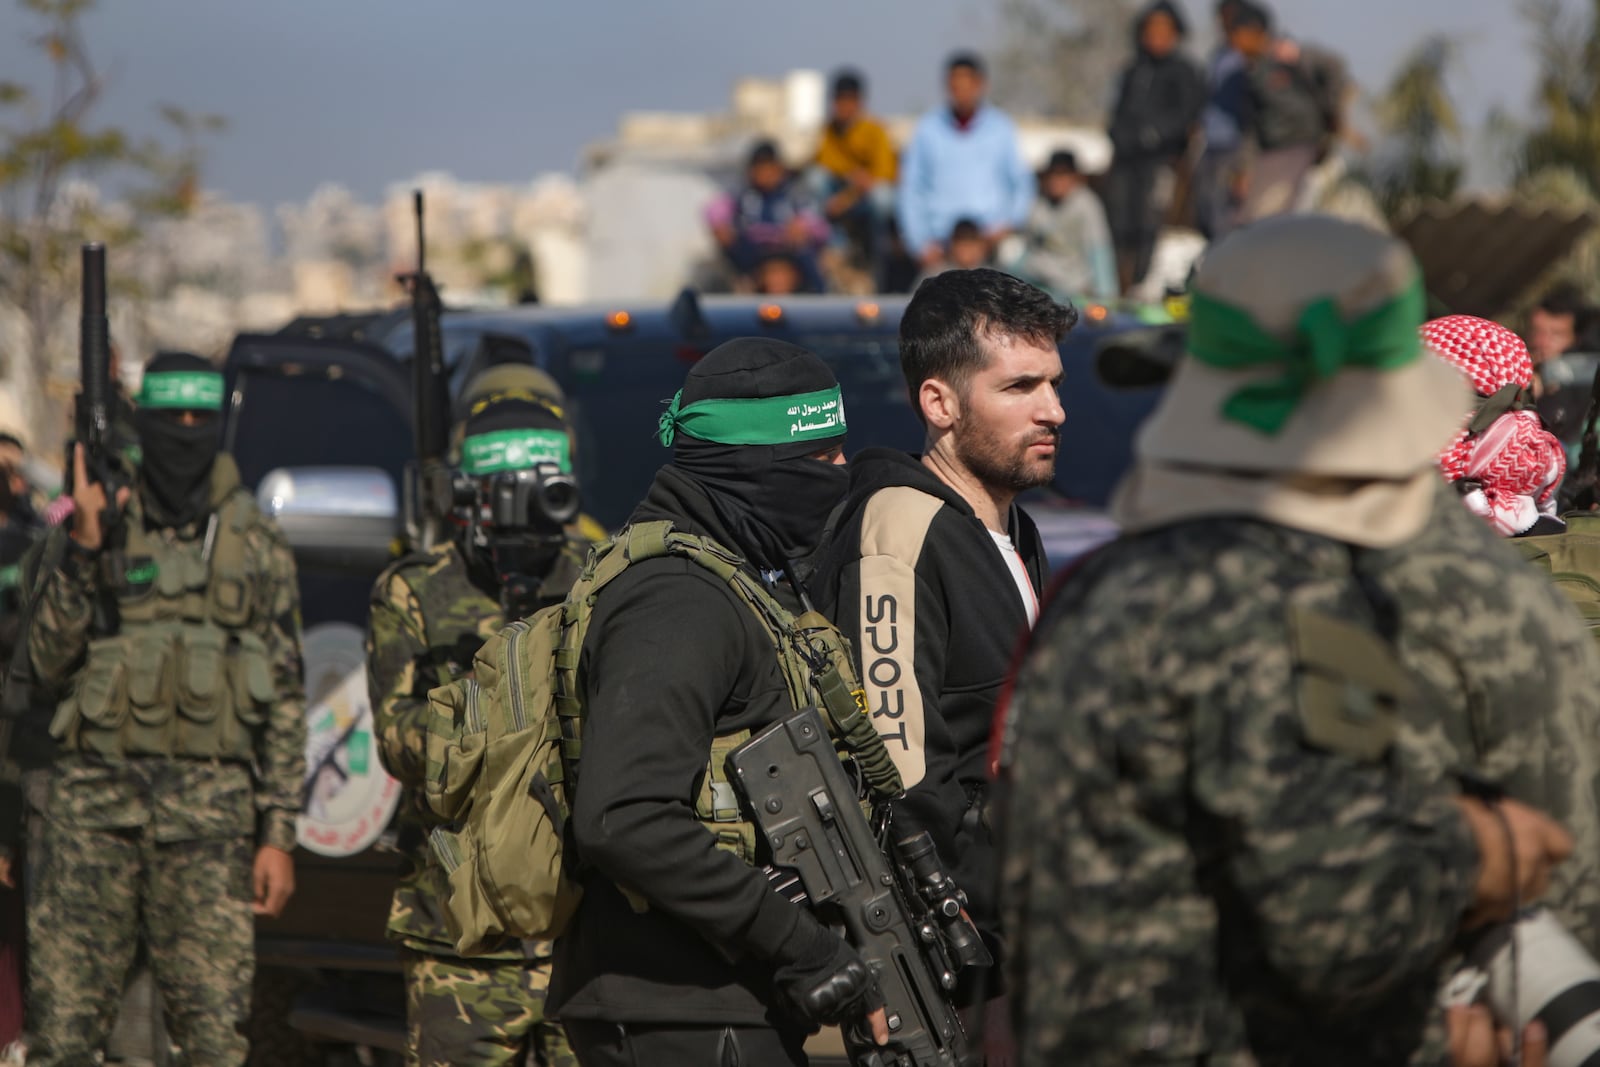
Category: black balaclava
[175,467]
[774,499]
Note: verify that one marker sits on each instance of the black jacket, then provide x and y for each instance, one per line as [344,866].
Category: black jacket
[914,578]
[1159,100]
[672,658]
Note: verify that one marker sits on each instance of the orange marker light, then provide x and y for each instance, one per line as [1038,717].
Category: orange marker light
[770,313]
[1097,312]
[619,320]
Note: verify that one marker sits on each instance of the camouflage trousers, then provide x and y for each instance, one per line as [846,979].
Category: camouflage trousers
[465,1013]
[95,894]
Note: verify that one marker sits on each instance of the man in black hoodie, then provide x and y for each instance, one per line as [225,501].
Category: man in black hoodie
[1159,101]
[681,951]
[933,571]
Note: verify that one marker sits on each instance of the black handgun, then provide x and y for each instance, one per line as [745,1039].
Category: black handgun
[905,917]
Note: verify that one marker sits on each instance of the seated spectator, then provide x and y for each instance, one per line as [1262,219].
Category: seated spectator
[1556,324]
[854,173]
[1294,115]
[1564,362]
[770,215]
[778,275]
[963,162]
[1068,242]
[967,248]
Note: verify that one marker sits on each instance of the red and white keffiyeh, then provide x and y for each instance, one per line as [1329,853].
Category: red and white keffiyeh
[1490,355]
[1515,465]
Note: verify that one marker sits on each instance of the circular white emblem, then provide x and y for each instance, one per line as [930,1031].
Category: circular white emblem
[349,797]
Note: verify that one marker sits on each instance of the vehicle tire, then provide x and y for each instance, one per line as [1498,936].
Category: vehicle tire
[273,1042]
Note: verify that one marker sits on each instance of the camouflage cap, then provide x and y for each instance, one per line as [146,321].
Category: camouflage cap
[1339,391]
[507,381]
[510,379]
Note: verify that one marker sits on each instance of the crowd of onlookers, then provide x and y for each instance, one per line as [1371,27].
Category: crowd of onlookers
[1209,149]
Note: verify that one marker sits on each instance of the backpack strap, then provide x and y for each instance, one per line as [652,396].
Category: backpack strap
[816,658]
[1509,397]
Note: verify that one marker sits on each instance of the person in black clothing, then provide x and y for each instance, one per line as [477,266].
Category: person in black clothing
[714,967]
[934,571]
[1159,100]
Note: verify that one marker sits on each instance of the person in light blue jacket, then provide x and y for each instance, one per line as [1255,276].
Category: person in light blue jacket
[963,162]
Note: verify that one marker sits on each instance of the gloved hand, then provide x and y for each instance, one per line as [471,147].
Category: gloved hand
[825,981]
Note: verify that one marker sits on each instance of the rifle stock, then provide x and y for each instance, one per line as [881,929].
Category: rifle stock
[800,798]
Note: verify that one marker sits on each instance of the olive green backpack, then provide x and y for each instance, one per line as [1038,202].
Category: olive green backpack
[504,744]
[1572,559]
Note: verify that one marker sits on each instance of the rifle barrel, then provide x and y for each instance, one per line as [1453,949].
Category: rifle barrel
[94,350]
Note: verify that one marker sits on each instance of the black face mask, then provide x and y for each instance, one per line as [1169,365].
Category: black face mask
[175,471]
[774,499]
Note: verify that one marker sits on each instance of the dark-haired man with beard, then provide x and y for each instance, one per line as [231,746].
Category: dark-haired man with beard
[933,570]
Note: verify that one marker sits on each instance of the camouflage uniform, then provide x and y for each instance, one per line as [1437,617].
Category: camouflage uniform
[1235,835]
[160,847]
[1189,874]
[1516,681]
[428,618]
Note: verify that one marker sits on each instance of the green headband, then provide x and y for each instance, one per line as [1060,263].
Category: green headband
[515,450]
[771,420]
[1226,337]
[192,389]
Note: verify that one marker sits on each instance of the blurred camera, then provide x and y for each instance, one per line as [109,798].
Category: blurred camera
[537,498]
[1533,970]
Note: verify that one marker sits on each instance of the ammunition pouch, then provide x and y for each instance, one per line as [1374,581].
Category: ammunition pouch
[183,677]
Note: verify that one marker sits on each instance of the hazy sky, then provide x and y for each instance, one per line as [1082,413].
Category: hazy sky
[368,92]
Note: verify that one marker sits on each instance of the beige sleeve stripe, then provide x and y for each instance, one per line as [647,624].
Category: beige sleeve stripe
[893,530]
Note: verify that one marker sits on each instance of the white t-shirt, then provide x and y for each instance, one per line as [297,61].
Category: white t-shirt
[1019,574]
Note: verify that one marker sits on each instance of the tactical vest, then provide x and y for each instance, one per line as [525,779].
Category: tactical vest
[185,675]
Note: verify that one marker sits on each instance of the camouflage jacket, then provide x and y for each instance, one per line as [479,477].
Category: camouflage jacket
[428,619]
[1215,851]
[184,798]
[1517,681]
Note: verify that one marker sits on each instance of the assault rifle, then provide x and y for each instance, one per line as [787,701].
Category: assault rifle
[92,421]
[429,482]
[92,426]
[905,917]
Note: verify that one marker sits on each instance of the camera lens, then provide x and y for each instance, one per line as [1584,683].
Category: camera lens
[558,498]
[1558,984]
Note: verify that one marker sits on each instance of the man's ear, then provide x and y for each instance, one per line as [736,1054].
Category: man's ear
[940,403]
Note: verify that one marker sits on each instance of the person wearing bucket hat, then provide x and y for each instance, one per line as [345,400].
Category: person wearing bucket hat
[680,951]
[1229,834]
[174,644]
[430,612]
